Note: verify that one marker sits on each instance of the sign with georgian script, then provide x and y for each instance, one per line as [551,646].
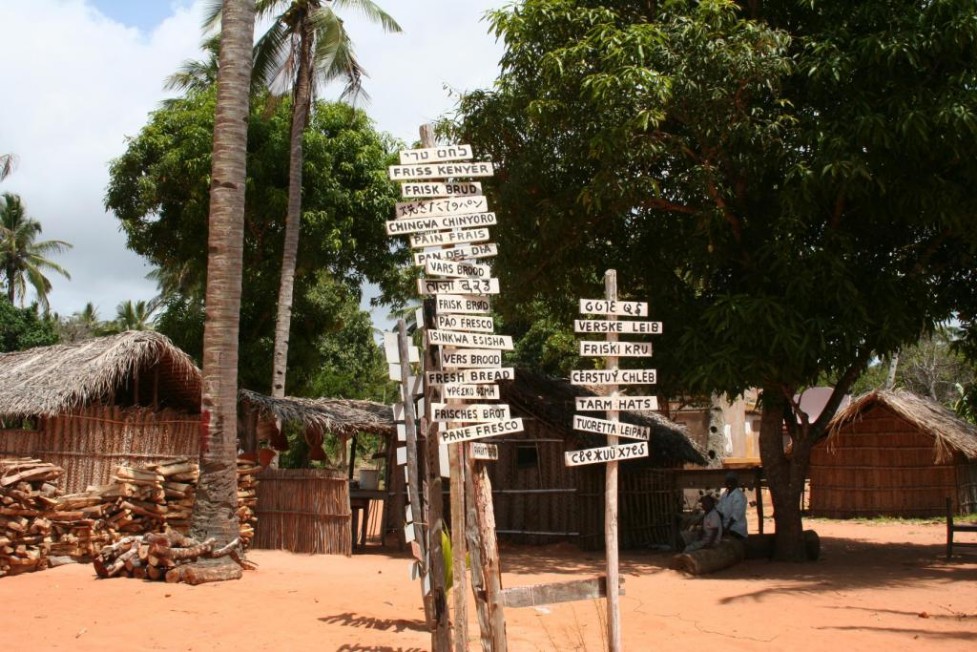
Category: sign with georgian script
[606,454]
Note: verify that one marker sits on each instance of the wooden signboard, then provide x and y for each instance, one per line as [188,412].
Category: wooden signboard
[461,392]
[439,207]
[602,326]
[419,224]
[482,430]
[436,267]
[440,170]
[616,428]
[458,286]
[434,154]
[614,307]
[614,377]
[473,412]
[432,189]
[606,454]
[462,305]
[472,323]
[615,349]
[470,358]
[463,252]
[470,340]
[622,403]
[439,238]
[469,376]
[483,451]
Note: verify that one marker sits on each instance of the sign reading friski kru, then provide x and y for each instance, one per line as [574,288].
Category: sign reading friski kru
[612,377]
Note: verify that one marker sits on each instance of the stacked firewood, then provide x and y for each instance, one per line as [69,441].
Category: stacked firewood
[27,496]
[165,556]
[36,522]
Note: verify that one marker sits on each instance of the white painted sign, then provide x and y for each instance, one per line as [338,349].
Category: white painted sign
[450,268]
[613,307]
[614,377]
[622,403]
[606,454]
[420,224]
[457,304]
[463,252]
[458,286]
[470,358]
[439,238]
[434,154]
[459,392]
[473,412]
[605,427]
[481,451]
[438,207]
[602,326]
[391,349]
[474,323]
[440,170]
[616,349]
[469,376]
[482,430]
[470,340]
[432,189]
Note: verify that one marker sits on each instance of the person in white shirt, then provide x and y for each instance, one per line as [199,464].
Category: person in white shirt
[732,507]
[712,526]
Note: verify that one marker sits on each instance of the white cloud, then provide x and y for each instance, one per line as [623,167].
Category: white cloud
[81,83]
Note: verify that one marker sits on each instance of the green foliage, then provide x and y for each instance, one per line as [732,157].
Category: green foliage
[24,258]
[159,189]
[24,328]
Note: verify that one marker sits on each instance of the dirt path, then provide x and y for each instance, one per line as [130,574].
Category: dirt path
[877,587]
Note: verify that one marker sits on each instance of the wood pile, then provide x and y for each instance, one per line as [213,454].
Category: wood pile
[38,523]
[168,556]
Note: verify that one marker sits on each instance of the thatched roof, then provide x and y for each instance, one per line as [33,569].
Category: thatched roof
[342,417]
[552,401]
[49,380]
[950,433]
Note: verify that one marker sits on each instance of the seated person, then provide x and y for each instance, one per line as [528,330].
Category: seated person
[712,527]
[732,507]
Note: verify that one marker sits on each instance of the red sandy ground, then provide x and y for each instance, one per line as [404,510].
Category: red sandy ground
[878,586]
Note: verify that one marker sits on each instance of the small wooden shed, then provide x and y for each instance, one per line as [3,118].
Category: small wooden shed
[309,510]
[89,406]
[538,499]
[892,453]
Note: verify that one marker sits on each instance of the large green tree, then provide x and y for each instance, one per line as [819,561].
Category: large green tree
[790,183]
[23,258]
[305,47]
[25,328]
[158,189]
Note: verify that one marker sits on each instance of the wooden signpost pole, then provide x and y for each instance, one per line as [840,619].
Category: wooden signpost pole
[610,495]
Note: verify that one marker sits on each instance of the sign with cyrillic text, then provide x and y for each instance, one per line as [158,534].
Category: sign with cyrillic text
[606,454]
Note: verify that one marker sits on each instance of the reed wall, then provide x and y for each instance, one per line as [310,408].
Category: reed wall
[304,510]
[89,443]
[648,502]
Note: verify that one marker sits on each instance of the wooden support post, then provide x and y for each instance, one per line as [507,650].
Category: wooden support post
[474,538]
[610,491]
[458,547]
[491,569]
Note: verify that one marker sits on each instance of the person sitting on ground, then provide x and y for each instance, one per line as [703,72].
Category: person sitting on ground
[712,526]
[732,507]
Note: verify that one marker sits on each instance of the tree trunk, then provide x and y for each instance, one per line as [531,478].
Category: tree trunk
[785,477]
[301,105]
[215,507]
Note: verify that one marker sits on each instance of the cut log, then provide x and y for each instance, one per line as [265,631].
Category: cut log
[708,560]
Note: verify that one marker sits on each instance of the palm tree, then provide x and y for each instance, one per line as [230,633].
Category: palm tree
[136,316]
[214,510]
[7,163]
[22,258]
[307,45]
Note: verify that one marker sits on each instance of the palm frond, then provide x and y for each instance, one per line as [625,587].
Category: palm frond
[373,12]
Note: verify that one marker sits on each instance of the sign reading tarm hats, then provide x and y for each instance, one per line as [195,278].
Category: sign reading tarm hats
[621,317]
[446,220]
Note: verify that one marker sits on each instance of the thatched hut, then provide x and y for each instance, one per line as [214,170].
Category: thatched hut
[92,405]
[314,510]
[538,499]
[893,453]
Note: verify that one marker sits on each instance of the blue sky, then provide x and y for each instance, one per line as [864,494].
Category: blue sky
[72,98]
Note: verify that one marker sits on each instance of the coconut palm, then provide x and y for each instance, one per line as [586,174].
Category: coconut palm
[23,259]
[307,46]
[214,510]
[135,316]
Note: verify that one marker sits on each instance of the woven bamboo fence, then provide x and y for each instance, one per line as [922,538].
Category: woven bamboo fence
[90,443]
[533,492]
[648,503]
[881,466]
[304,510]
